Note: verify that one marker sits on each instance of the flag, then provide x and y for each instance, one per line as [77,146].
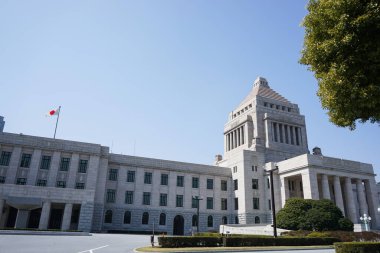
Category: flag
[53,112]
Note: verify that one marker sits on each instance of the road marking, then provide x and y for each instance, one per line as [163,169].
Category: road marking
[92,250]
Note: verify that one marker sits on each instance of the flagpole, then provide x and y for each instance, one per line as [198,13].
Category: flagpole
[56,123]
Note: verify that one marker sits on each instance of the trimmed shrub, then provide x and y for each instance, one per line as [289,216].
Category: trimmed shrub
[343,236]
[357,247]
[189,241]
[319,234]
[279,241]
[345,224]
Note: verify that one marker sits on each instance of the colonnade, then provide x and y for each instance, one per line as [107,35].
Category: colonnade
[235,138]
[286,134]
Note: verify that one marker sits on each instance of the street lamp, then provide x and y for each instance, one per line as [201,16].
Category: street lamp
[366,220]
[270,173]
[197,198]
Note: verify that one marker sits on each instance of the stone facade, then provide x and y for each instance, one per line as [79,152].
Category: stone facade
[58,184]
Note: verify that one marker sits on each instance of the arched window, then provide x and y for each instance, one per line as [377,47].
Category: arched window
[224,220]
[236,220]
[145,218]
[127,217]
[257,219]
[210,222]
[195,220]
[162,219]
[108,216]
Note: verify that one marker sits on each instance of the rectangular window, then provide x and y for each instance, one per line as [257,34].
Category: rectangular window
[41,182]
[131,176]
[25,160]
[291,135]
[5,158]
[210,184]
[163,199]
[297,134]
[112,174]
[286,134]
[129,197]
[269,205]
[146,198]
[194,203]
[281,136]
[45,162]
[61,184]
[268,183]
[256,203]
[111,196]
[274,127]
[2,180]
[180,181]
[236,203]
[164,179]
[224,204]
[82,166]
[21,181]
[223,185]
[65,163]
[195,182]
[210,203]
[255,184]
[235,169]
[254,168]
[79,185]
[148,178]
[236,185]
[179,201]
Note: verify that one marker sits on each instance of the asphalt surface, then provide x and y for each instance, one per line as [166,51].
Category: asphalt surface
[97,243]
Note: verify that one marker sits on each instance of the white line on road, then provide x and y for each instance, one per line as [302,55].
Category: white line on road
[92,250]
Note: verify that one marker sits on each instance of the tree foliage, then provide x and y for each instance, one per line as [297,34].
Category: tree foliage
[315,215]
[342,48]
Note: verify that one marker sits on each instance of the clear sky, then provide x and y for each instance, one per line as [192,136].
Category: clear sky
[158,78]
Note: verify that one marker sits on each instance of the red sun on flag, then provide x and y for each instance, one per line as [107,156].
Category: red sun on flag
[53,112]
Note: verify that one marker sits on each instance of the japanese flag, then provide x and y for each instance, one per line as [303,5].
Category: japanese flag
[53,112]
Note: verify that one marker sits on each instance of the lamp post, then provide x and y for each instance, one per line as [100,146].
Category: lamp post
[197,198]
[366,220]
[270,173]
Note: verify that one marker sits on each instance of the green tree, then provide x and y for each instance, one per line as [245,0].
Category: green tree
[316,215]
[342,48]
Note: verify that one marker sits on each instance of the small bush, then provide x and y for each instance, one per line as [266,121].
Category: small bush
[279,241]
[357,247]
[319,234]
[345,224]
[189,241]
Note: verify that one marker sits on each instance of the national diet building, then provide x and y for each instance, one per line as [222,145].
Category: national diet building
[68,185]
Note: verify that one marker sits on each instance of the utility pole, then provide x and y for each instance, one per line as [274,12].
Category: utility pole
[197,198]
[272,199]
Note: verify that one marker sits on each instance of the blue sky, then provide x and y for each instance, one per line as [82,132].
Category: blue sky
[158,78]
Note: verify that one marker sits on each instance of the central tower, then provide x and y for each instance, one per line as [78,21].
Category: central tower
[264,127]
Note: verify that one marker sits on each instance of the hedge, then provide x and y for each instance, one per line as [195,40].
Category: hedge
[357,247]
[279,241]
[189,241]
[206,241]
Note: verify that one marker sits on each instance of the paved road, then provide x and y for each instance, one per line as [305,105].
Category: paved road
[97,243]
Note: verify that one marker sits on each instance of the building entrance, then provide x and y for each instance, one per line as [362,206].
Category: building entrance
[178,225]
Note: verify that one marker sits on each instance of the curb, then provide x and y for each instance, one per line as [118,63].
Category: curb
[27,232]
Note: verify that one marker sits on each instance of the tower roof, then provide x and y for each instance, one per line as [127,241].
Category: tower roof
[261,89]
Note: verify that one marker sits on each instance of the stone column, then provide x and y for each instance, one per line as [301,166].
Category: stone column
[373,202]
[227,141]
[242,134]
[2,203]
[22,218]
[268,133]
[338,194]
[325,187]
[73,169]
[66,220]
[13,166]
[238,136]
[277,129]
[283,134]
[310,184]
[45,214]
[85,216]
[351,208]
[53,170]
[284,190]
[294,135]
[32,175]
[361,197]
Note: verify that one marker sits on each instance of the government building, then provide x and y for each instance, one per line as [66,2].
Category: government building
[67,185]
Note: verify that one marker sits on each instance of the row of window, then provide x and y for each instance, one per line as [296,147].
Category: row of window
[255,184]
[242,111]
[131,175]
[43,182]
[146,200]
[255,202]
[108,218]
[45,162]
[278,107]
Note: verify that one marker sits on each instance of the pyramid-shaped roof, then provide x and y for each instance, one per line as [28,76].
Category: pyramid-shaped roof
[262,89]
